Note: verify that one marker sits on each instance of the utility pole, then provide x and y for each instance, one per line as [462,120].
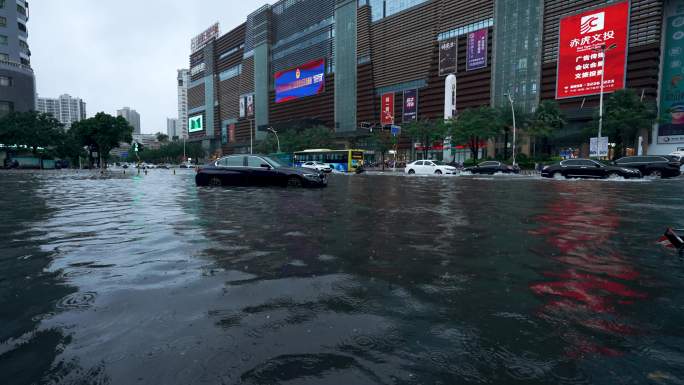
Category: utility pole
[603,51]
[510,99]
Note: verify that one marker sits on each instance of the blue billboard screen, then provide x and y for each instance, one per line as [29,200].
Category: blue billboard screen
[305,80]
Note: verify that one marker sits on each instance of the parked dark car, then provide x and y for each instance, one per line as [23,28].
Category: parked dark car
[256,170]
[587,168]
[492,167]
[658,166]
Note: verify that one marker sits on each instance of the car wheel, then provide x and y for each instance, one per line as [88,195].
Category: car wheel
[215,182]
[294,181]
[655,174]
[613,175]
[411,172]
[438,172]
[557,175]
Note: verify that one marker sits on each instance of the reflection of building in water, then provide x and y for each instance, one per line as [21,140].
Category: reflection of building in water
[587,295]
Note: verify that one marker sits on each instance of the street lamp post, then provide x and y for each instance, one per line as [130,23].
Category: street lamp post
[603,51]
[276,135]
[510,99]
[251,140]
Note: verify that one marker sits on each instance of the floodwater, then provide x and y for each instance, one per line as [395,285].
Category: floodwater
[375,280]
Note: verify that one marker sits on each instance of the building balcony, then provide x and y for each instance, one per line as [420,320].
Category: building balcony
[16,66]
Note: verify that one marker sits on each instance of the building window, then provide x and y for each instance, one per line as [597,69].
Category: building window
[231,72]
[21,10]
[3,40]
[25,62]
[5,81]
[4,57]
[3,21]
[6,107]
[21,27]
[2,4]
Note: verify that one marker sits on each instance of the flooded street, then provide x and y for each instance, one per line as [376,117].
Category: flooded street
[378,279]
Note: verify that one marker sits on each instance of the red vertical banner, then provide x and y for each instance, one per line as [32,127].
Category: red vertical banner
[581,61]
[231,133]
[387,109]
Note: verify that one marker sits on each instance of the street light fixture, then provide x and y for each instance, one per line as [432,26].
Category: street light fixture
[603,49]
[276,135]
[510,99]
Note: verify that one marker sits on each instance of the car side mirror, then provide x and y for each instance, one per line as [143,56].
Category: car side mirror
[266,166]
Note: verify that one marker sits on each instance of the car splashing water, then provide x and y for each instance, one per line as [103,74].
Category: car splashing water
[123,279]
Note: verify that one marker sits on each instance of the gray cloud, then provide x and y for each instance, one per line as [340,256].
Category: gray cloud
[122,53]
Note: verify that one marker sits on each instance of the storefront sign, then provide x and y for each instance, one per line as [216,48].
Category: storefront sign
[231,132]
[580,59]
[671,128]
[598,148]
[247,105]
[477,50]
[410,106]
[448,56]
[387,109]
[196,123]
[305,80]
[199,41]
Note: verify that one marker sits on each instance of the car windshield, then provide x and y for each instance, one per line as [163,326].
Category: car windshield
[272,161]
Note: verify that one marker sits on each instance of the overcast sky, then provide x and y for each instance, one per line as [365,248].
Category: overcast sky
[122,53]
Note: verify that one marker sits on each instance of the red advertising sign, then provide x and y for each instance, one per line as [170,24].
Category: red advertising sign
[581,61]
[387,109]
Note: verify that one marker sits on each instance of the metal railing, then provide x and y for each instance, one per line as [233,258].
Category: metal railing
[17,65]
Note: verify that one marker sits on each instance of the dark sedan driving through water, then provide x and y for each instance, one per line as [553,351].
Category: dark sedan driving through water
[587,168]
[256,170]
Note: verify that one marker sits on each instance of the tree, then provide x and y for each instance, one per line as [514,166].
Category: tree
[522,120]
[475,125]
[161,137]
[297,139]
[546,119]
[31,129]
[625,114]
[426,132]
[383,141]
[103,133]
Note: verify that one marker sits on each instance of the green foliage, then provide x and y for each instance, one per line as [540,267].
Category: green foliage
[102,133]
[624,115]
[297,139]
[382,141]
[161,137]
[475,125]
[172,153]
[547,118]
[30,129]
[427,132]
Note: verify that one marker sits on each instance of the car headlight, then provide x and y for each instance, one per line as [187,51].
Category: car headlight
[311,176]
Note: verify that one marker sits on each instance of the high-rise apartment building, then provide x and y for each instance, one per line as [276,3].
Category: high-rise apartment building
[183,80]
[17,83]
[172,128]
[66,109]
[133,118]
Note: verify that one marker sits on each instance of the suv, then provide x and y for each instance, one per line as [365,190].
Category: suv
[657,166]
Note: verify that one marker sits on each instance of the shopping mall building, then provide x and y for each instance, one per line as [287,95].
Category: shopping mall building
[350,65]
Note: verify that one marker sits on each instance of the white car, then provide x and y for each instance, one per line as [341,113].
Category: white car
[679,154]
[429,167]
[317,166]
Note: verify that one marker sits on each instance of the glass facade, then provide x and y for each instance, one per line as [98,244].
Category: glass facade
[384,8]
[517,52]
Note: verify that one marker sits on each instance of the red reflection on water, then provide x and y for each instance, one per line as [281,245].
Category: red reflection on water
[586,296]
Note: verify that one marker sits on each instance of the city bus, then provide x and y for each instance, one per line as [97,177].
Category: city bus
[339,160]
